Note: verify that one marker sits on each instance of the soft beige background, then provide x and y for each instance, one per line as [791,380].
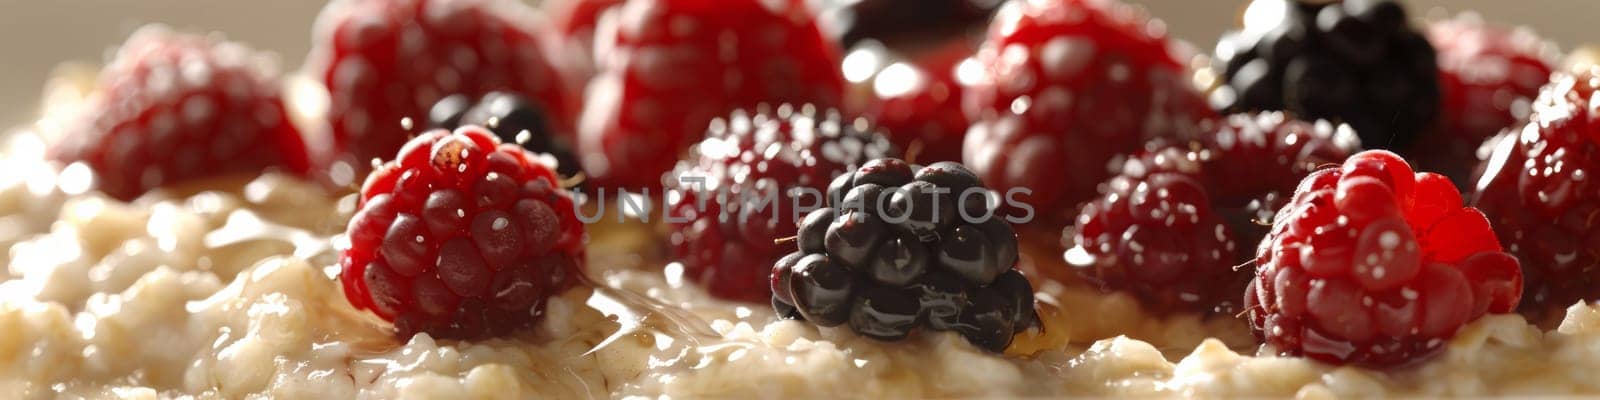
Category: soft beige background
[37,34]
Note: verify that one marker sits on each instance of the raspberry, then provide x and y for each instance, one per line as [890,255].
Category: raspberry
[1487,75]
[745,157]
[1538,188]
[681,63]
[512,118]
[461,237]
[917,101]
[173,107]
[576,22]
[1353,61]
[886,258]
[386,60]
[576,19]
[1373,264]
[1174,224]
[1069,85]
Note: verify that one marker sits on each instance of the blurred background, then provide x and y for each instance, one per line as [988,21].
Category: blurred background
[35,36]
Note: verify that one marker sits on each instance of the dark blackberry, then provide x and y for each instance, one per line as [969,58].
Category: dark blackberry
[905,24]
[886,272]
[512,118]
[1355,61]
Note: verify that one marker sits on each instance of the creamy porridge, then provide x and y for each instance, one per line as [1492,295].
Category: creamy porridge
[224,289]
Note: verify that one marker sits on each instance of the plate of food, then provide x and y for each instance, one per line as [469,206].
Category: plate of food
[810,199]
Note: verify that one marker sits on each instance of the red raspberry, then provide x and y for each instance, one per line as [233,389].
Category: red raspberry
[1487,76]
[671,66]
[1373,264]
[1066,86]
[461,237]
[386,60]
[576,21]
[172,107]
[1174,224]
[919,102]
[743,158]
[1538,188]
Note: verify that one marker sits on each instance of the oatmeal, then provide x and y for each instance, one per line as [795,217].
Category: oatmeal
[225,290]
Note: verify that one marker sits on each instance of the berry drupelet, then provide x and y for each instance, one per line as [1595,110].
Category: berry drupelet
[721,231]
[1175,224]
[513,119]
[461,237]
[173,107]
[1373,264]
[1538,188]
[1067,86]
[1352,61]
[902,247]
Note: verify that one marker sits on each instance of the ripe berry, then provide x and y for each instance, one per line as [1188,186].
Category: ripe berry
[386,60]
[1538,190]
[1067,86]
[1373,264]
[890,275]
[916,97]
[575,22]
[1488,76]
[512,118]
[576,19]
[1171,228]
[678,64]
[1354,61]
[906,24]
[172,107]
[722,230]
[461,237]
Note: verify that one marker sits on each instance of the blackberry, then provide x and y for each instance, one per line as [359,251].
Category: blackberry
[512,118]
[1355,61]
[906,24]
[721,228]
[944,262]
